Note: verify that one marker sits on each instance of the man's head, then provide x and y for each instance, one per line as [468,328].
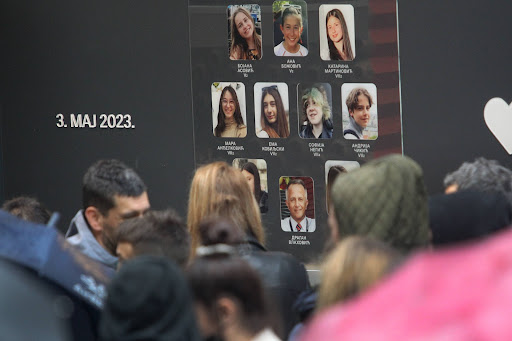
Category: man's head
[297,199]
[157,233]
[480,175]
[27,208]
[112,192]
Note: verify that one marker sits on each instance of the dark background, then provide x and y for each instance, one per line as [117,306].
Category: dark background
[132,57]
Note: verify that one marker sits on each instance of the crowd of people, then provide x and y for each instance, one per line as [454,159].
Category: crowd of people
[211,277]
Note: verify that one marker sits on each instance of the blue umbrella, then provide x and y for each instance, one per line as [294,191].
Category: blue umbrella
[44,250]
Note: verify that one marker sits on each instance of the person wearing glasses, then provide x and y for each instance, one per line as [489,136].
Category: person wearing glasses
[245,41]
[316,114]
[274,121]
[230,122]
[291,26]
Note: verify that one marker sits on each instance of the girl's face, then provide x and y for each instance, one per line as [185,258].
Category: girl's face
[334,29]
[228,105]
[250,179]
[292,29]
[270,108]
[244,25]
[314,112]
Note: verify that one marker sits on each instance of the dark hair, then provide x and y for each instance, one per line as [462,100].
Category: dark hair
[353,98]
[27,208]
[158,233]
[333,51]
[221,118]
[333,173]
[240,44]
[218,230]
[482,175]
[107,178]
[251,168]
[297,182]
[222,275]
[280,128]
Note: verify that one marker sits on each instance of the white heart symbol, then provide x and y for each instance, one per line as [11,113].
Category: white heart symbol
[498,117]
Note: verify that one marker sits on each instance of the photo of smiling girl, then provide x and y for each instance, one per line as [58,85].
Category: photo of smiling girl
[271,110]
[337,37]
[244,32]
[289,42]
[228,110]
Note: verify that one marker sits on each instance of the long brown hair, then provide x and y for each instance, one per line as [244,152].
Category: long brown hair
[240,44]
[280,127]
[219,189]
[221,118]
[333,51]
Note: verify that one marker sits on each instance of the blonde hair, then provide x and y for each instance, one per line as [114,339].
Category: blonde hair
[221,190]
[355,264]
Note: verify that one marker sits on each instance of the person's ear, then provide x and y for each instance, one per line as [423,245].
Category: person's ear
[94,218]
[226,311]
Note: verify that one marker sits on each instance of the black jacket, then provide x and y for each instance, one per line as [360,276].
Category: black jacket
[283,276]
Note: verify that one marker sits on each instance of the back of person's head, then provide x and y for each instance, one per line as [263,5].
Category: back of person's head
[219,274]
[466,215]
[27,208]
[106,179]
[353,266]
[219,189]
[215,230]
[482,175]
[148,299]
[385,199]
[157,233]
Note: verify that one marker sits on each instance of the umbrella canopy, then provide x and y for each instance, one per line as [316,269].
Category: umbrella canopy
[462,293]
[44,250]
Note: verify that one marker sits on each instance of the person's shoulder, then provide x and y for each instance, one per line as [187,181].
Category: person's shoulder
[285,224]
[349,135]
[262,134]
[242,130]
[312,224]
[325,55]
[278,49]
[236,53]
[303,50]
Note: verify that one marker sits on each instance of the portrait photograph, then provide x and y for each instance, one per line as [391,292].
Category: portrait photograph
[290,28]
[333,169]
[314,109]
[255,171]
[244,32]
[229,110]
[297,204]
[337,32]
[359,111]
[271,110]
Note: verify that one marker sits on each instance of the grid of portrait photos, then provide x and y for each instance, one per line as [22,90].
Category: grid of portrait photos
[295,96]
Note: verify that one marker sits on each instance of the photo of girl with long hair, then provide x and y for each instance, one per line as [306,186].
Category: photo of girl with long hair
[292,19]
[271,110]
[244,36]
[228,112]
[337,36]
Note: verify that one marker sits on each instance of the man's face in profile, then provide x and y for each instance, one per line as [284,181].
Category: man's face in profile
[124,208]
[297,202]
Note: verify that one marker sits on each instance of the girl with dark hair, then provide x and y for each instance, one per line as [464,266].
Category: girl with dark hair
[274,121]
[229,296]
[251,173]
[338,39]
[245,41]
[291,27]
[229,119]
